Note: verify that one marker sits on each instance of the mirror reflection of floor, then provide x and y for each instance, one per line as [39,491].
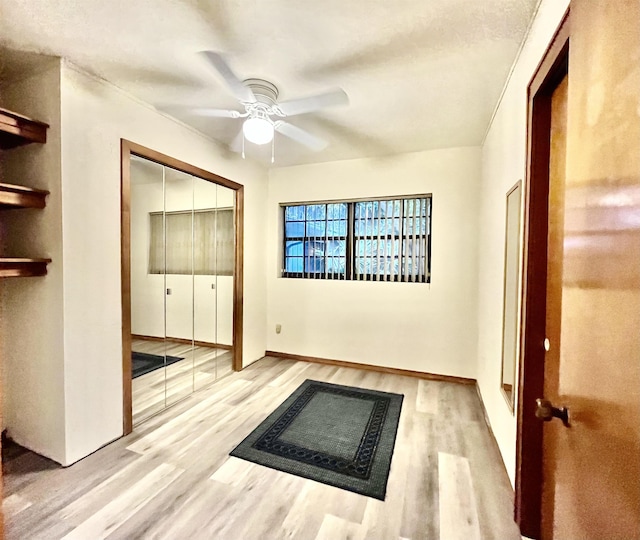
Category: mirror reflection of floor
[201,367]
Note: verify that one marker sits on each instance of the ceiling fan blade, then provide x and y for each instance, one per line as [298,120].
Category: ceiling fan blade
[216,113]
[238,89]
[314,103]
[301,136]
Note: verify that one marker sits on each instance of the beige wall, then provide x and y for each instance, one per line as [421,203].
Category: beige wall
[503,163]
[422,327]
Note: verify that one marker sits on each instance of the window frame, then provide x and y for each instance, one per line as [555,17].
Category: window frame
[350,273]
[304,239]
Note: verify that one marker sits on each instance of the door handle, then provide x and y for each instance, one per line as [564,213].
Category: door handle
[547,412]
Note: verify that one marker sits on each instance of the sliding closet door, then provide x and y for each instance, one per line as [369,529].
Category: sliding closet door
[179,276]
[205,198]
[225,261]
[214,259]
[214,247]
[182,267]
[147,288]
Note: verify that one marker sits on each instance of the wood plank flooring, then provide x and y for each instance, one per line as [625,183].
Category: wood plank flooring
[172,478]
[155,391]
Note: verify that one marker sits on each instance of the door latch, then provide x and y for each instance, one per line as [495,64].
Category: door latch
[547,412]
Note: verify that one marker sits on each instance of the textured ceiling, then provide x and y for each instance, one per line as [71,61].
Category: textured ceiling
[420,74]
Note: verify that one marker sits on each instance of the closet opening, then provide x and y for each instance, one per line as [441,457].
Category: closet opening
[182,267]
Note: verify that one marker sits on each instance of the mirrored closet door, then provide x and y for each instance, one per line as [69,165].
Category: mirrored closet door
[182,257]
[214,239]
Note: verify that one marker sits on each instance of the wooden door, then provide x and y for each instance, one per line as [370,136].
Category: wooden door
[582,282]
[553,431]
[591,470]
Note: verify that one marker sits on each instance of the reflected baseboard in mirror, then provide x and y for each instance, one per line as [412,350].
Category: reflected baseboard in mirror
[511,295]
[183,340]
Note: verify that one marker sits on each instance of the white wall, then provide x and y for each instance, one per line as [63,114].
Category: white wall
[31,344]
[95,116]
[421,327]
[194,309]
[503,163]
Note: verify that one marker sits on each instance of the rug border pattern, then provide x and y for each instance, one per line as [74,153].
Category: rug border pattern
[375,486]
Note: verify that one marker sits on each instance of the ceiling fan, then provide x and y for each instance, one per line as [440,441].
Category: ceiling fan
[264,114]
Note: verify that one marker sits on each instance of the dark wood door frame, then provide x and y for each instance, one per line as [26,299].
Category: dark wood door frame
[127,149]
[528,486]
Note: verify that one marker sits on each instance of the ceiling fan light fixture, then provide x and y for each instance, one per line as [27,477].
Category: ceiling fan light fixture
[258,130]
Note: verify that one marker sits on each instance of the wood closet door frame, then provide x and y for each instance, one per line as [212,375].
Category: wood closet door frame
[529,476]
[127,149]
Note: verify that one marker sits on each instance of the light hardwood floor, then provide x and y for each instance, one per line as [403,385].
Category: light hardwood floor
[172,477]
[154,391]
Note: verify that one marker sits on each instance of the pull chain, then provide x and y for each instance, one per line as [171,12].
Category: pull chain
[243,146]
[273,143]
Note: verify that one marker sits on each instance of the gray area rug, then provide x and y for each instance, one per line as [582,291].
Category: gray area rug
[338,435]
[143,363]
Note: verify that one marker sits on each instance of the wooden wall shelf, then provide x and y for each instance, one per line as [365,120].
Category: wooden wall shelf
[17,130]
[12,196]
[16,267]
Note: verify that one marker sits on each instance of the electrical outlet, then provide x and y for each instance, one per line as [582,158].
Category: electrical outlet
[278,328]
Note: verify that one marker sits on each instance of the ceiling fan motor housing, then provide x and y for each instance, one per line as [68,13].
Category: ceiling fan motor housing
[264,91]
